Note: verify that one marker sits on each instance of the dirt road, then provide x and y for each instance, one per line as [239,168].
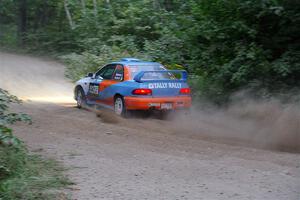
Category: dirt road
[138,158]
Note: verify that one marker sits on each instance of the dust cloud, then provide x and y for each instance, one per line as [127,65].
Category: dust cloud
[261,124]
[267,124]
[34,79]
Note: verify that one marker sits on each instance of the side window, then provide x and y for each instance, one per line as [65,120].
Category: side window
[119,73]
[106,72]
[100,71]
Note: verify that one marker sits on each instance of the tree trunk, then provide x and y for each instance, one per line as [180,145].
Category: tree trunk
[22,18]
[168,5]
[95,11]
[69,17]
[83,5]
[156,4]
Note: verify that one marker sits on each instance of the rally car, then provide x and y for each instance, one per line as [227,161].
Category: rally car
[133,84]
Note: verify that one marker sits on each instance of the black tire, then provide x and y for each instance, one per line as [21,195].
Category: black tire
[80,98]
[119,106]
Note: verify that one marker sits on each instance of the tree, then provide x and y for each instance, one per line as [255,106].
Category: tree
[22,25]
[227,44]
[68,14]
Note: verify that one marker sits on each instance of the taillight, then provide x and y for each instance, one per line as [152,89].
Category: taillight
[142,91]
[185,91]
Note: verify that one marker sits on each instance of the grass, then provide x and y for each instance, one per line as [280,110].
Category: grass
[26,176]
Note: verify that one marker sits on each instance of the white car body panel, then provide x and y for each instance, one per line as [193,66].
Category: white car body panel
[84,83]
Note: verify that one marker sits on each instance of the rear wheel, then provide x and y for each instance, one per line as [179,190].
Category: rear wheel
[119,106]
[80,98]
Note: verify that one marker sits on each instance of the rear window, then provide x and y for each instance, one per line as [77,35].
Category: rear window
[135,69]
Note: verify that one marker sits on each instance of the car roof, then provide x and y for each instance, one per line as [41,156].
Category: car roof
[134,61]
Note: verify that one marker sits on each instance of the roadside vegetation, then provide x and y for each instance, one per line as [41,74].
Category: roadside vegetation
[22,174]
[226,46]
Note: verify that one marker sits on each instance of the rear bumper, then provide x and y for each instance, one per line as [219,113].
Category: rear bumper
[148,103]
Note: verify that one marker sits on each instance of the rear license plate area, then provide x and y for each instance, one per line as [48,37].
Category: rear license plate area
[166,106]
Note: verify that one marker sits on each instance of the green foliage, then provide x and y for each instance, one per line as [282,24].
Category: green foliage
[245,42]
[7,118]
[78,65]
[23,176]
[6,8]
[227,44]
[9,37]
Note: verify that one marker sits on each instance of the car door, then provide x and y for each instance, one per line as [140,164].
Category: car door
[94,84]
[108,86]
[100,82]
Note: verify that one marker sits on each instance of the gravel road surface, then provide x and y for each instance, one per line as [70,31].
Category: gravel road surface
[137,158]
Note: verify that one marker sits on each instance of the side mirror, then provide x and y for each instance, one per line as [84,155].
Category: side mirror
[90,74]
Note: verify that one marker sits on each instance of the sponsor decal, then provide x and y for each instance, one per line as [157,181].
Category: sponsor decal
[118,76]
[164,85]
[93,89]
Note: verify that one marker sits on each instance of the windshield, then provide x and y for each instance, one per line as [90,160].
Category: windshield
[135,69]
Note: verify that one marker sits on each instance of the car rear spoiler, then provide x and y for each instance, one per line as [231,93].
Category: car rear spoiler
[184,75]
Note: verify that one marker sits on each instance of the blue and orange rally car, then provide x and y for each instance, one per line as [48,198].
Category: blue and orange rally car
[133,84]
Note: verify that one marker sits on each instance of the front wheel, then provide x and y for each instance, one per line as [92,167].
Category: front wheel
[119,106]
[80,98]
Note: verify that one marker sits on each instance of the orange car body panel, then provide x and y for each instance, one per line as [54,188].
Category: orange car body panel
[106,83]
[146,103]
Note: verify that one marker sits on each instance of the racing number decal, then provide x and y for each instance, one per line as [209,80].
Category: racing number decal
[93,89]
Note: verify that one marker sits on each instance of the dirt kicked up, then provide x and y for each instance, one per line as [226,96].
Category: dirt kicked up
[201,156]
